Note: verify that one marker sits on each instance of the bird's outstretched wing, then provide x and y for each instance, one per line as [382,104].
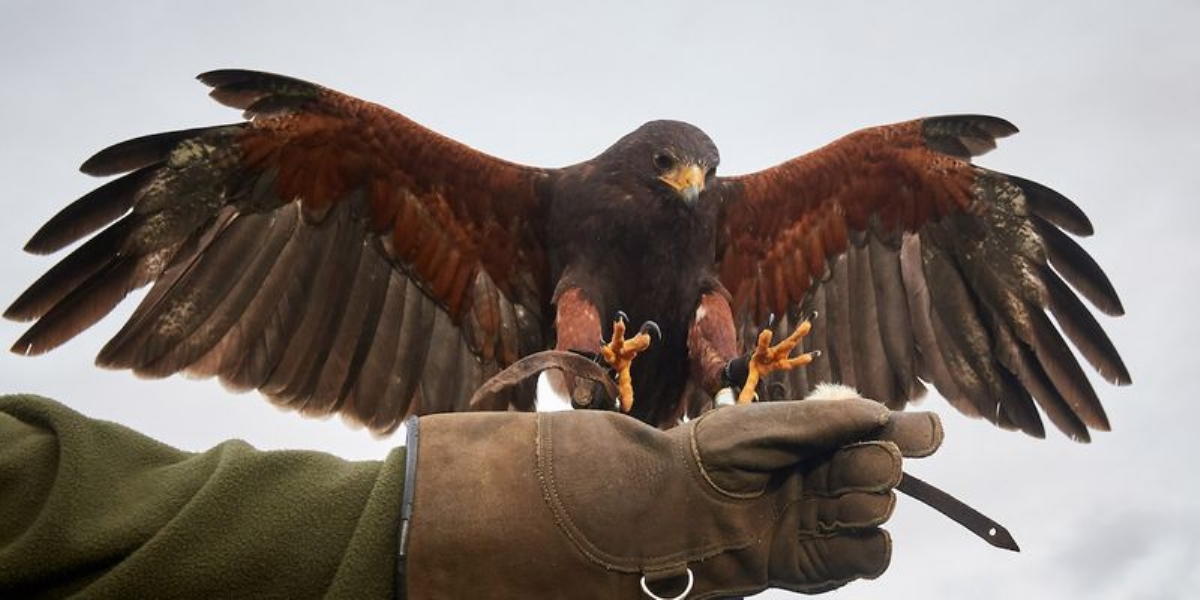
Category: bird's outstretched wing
[328,251]
[925,267]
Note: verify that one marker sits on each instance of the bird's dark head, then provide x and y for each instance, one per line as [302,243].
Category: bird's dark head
[674,159]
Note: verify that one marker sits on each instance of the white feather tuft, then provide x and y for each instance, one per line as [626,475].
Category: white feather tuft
[832,391]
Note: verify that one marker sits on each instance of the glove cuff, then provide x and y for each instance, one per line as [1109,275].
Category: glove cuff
[411,447]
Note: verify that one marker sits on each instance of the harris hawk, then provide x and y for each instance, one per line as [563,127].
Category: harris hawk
[341,258]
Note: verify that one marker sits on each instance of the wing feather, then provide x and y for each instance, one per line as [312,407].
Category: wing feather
[932,364]
[245,357]
[243,312]
[874,370]
[1083,330]
[895,328]
[353,336]
[368,395]
[176,329]
[94,210]
[98,254]
[413,348]
[837,302]
[1079,268]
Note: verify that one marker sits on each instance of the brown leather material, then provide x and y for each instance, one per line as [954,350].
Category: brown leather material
[584,503]
[592,385]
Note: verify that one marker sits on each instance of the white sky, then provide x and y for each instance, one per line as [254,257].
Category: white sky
[1107,96]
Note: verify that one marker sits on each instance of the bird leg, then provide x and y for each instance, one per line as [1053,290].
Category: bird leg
[620,351]
[767,358]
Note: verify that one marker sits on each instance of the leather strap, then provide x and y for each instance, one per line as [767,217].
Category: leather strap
[488,395]
[975,521]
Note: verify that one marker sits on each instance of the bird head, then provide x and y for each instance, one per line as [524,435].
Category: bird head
[675,159]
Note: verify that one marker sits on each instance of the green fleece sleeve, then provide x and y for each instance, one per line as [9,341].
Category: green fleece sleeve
[92,508]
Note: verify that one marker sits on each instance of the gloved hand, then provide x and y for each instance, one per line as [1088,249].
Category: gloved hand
[589,504]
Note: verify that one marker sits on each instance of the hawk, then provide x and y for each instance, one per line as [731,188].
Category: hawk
[341,258]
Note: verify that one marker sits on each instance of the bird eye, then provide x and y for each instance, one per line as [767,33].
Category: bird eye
[663,161]
[710,173]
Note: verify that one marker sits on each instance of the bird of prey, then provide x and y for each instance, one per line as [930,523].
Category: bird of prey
[341,258]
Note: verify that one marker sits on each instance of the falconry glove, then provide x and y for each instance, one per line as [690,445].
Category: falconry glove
[591,504]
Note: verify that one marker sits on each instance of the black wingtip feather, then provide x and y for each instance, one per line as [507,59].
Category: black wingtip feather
[1079,268]
[1054,207]
[1065,373]
[82,308]
[257,92]
[138,152]
[250,78]
[70,273]
[89,213]
[219,77]
[1083,330]
[965,136]
[1018,405]
[1033,375]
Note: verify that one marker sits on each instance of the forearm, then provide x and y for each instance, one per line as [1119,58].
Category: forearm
[90,506]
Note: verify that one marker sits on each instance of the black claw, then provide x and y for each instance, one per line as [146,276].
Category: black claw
[621,316]
[651,327]
[770,321]
[811,316]
[815,354]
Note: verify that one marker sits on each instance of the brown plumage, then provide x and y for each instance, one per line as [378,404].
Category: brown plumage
[341,258]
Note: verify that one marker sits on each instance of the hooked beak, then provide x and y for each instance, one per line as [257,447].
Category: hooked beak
[687,181]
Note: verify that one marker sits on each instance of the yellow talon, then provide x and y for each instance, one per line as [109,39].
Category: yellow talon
[619,354]
[768,358]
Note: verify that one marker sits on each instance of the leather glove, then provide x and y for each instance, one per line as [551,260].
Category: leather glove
[590,504]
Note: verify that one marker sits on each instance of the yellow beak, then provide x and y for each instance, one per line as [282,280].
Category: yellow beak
[686,180]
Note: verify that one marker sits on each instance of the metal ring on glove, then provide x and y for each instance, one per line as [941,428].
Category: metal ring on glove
[681,596]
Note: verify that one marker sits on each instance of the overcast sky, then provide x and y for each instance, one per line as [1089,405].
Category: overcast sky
[1107,97]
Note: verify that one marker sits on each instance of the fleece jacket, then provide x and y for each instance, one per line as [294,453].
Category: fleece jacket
[92,509]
